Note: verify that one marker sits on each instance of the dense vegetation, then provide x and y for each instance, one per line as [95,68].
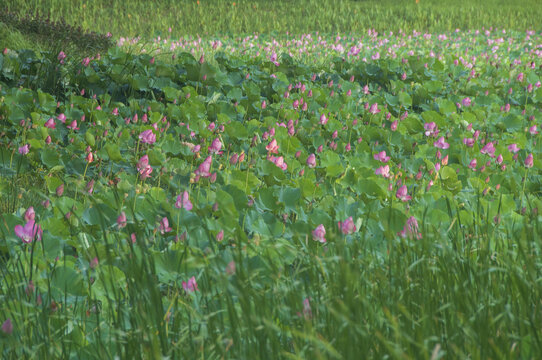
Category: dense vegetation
[272,196]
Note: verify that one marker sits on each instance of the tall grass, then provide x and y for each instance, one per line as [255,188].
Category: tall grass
[416,300]
[206,17]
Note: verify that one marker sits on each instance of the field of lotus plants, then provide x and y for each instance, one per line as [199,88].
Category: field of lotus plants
[309,196]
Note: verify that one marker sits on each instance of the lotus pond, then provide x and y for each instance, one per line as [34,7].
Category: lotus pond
[259,197]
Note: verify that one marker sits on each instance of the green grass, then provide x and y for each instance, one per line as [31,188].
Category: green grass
[422,300]
[132,18]
[14,39]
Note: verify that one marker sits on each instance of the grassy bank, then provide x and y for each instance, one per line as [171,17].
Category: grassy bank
[206,17]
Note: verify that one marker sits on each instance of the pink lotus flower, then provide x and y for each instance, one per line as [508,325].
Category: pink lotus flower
[191,285]
[441,144]
[264,105]
[60,190]
[29,232]
[73,125]
[147,137]
[85,61]
[143,167]
[411,229]
[204,168]
[220,236]
[62,118]
[402,194]
[529,161]
[50,123]
[307,312]
[183,201]
[164,226]
[381,156]
[23,150]
[311,161]
[473,164]
[319,234]
[216,146]
[499,159]
[115,111]
[272,147]
[347,226]
[384,171]
[532,130]
[469,142]
[61,56]
[7,327]
[279,161]
[90,186]
[323,119]
[121,220]
[230,268]
[393,125]
[466,101]
[374,109]
[513,148]
[488,149]
[29,214]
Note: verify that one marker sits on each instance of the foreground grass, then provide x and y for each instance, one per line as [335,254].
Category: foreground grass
[426,299]
[205,17]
